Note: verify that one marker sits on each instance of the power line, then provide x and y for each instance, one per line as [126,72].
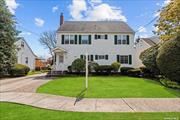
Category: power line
[147,24]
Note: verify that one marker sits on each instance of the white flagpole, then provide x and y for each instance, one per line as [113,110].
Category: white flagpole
[86,70]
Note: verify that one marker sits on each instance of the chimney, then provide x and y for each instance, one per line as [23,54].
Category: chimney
[61,19]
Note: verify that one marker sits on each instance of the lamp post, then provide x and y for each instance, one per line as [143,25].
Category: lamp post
[86,70]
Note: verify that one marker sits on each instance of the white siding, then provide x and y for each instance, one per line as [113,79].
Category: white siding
[23,53]
[97,47]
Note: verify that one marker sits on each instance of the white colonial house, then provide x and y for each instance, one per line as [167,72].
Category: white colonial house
[143,44]
[25,54]
[104,41]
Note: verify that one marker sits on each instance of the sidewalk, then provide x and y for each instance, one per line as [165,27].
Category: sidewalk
[93,105]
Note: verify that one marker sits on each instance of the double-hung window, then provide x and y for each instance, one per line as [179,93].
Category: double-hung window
[124,59]
[124,39]
[66,39]
[85,39]
[72,39]
[119,39]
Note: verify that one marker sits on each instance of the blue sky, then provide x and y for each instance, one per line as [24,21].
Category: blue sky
[37,16]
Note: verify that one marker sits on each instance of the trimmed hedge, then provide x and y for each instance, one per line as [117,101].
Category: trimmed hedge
[103,69]
[124,70]
[168,59]
[19,70]
[135,72]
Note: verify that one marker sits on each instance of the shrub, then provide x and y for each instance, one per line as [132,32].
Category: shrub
[69,68]
[19,70]
[146,72]
[104,69]
[92,66]
[148,58]
[170,84]
[134,72]
[124,70]
[115,66]
[78,65]
[168,59]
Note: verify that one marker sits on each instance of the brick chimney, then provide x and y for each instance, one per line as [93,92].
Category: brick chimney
[61,19]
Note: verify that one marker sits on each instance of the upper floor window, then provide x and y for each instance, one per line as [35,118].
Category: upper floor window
[72,39]
[121,39]
[69,39]
[84,39]
[22,44]
[100,36]
[66,39]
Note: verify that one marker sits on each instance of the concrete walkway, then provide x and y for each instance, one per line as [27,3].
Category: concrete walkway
[23,92]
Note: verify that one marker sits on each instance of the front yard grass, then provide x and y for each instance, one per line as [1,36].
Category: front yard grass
[11,111]
[109,87]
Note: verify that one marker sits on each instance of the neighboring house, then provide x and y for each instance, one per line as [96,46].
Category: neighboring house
[25,55]
[105,42]
[40,63]
[143,44]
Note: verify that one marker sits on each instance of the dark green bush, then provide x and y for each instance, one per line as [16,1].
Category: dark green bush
[19,70]
[134,72]
[104,68]
[92,66]
[115,66]
[146,72]
[78,65]
[148,58]
[69,68]
[168,59]
[124,70]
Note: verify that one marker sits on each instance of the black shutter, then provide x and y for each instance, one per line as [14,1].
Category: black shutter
[75,39]
[62,39]
[95,36]
[81,56]
[130,59]
[79,39]
[128,39]
[115,39]
[91,57]
[106,57]
[106,36]
[99,36]
[89,39]
[96,57]
[118,60]
[55,58]
[88,57]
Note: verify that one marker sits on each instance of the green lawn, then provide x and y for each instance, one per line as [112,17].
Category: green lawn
[10,111]
[109,87]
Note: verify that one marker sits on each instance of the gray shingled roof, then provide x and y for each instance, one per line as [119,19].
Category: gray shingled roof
[95,26]
[152,40]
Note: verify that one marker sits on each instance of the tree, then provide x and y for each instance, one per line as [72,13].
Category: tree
[78,65]
[8,35]
[148,58]
[48,40]
[168,59]
[168,22]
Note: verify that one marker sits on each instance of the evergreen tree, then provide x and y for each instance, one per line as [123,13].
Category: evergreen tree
[8,35]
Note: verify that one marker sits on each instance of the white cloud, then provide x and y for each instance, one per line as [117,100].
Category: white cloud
[12,5]
[39,22]
[25,33]
[55,8]
[96,10]
[166,2]
[142,29]
[158,4]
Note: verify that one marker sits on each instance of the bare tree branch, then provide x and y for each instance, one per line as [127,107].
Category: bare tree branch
[48,40]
